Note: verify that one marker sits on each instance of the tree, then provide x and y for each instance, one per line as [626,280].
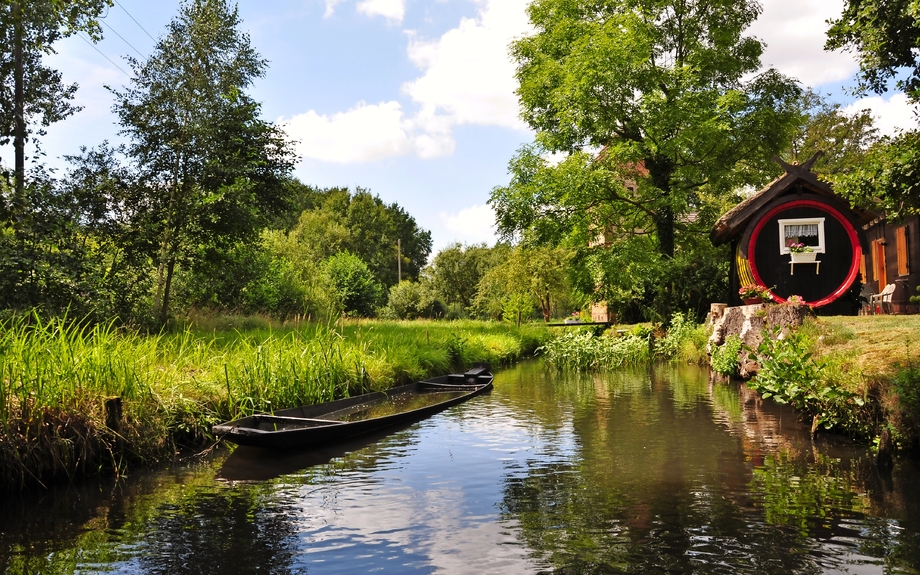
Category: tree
[335,219]
[885,36]
[456,271]
[211,169]
[29,90]
[358,291]
[844,138]
[666,89]
[530,278]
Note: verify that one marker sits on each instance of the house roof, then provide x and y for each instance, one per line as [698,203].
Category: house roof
[734,221]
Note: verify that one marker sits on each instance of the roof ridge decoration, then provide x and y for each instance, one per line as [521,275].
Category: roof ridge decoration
[733,222]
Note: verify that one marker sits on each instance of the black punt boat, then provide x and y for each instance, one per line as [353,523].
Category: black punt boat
[326,423]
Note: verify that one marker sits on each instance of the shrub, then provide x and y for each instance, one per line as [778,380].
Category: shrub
[358,292]
[789,374]
[725,357]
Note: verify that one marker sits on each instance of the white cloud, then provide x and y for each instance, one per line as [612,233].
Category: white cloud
[891,115]
[795,32]
[392,10]
[472,225]
[468,74]
[330,7]
[467,78]
[365,133]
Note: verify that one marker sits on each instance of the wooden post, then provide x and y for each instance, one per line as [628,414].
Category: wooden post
[113,413]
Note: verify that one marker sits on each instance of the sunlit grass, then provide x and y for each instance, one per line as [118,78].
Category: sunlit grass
[58,375]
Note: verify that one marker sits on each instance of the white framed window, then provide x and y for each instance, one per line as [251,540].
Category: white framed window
[808,231]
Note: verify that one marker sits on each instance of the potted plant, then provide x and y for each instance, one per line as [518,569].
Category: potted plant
[753,294]
[800,252]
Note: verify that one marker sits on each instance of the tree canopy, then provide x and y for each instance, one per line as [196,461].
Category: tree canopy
[210,169]
[886,38]
[650,115]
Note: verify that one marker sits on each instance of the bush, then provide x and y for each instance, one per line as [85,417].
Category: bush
[789,374]
[584,351]
[409,300]
[358,292]
[682,330]
[725,357]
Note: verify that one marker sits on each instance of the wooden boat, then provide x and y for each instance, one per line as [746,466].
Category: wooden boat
[335,421]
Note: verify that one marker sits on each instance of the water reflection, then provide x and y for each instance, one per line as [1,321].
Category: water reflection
[647,471]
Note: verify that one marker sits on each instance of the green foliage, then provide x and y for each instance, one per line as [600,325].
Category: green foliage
[579,351]
[906,384]
[411,300]
[842,138]
[725,357]
[668,91]
[887,179]
[885,37]
[681,329]
[529,278]
[357,290]
[209,169]
[456,271]
[789,374]
[332,220]
[46,99]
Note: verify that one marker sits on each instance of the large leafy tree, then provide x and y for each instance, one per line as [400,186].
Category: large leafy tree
[31,92]
[886,38]
[456,271]
[658,110]
[668,89]
[211,170]
[383,235]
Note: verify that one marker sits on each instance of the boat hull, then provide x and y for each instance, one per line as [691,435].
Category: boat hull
[336,421]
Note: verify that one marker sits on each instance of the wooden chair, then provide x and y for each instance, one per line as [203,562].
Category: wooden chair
[882,301]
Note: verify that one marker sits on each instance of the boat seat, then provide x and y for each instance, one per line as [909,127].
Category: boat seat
[477,371]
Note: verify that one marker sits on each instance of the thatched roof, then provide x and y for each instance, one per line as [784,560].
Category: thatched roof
[733,222]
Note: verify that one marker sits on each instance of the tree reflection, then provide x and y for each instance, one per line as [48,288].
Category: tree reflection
[656,485]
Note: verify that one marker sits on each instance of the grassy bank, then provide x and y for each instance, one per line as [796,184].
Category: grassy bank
[77,400]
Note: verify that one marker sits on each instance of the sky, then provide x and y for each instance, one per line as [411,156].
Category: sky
[411,99]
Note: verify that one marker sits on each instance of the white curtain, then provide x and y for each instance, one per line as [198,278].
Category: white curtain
[801,230]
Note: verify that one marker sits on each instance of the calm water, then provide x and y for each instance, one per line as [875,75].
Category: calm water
[637,472]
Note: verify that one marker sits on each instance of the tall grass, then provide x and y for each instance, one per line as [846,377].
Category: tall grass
[57,379]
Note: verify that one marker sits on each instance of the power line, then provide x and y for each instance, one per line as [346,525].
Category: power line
[135,21]
[103,55]
[123,40]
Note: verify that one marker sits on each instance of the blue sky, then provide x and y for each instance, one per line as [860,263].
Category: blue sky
[412,99]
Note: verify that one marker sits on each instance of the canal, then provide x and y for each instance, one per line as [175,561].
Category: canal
[652,471]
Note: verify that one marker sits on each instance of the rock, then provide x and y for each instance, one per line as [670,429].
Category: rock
[749,322]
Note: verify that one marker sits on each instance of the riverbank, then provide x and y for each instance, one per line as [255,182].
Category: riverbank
[78,400]
[857,375]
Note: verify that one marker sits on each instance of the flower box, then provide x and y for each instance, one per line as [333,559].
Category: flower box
[802,257]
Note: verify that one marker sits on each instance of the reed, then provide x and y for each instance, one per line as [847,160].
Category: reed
[78,399]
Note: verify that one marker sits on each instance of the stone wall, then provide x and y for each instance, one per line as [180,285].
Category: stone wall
[749,322]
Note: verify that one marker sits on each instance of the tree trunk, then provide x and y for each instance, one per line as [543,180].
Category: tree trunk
[19,138]
[164,309]
[660,169]
[664,226]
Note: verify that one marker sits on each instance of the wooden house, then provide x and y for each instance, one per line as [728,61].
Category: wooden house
[798,208]
[892,259]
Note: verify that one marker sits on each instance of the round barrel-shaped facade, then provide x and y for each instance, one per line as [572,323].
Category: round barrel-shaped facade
[824,272]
